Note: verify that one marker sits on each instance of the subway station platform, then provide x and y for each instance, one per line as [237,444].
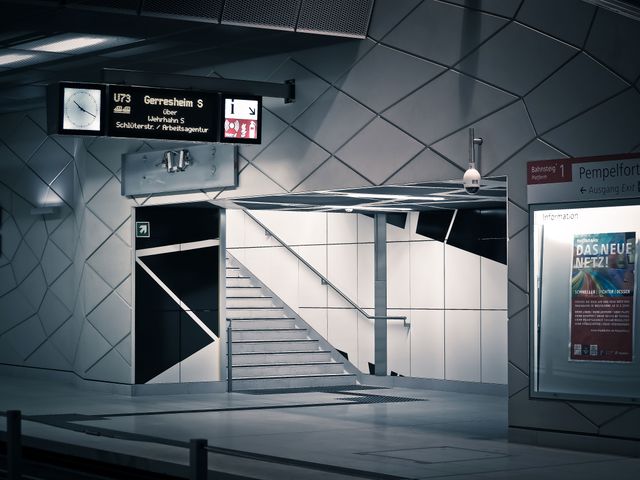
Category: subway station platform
[355,432]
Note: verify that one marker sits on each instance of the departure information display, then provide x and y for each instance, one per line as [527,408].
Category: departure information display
[144,112]
[154,113]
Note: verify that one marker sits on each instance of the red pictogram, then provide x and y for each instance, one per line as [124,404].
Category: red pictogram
[240,128]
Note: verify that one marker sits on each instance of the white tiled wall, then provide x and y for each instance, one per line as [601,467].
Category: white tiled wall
[461,279]
[343,330]
[427,343]
[426,274]
[455,300]
[398,275]
[462,345]
[342,269]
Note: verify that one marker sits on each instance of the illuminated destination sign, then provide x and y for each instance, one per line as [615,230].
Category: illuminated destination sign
[154,113]
[143,112]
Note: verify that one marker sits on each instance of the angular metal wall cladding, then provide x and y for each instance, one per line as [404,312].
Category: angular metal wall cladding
[197,10]
[131,7]
[348,18]
[342,18]
[276,14]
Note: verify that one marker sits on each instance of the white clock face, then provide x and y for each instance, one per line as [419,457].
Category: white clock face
[81,109]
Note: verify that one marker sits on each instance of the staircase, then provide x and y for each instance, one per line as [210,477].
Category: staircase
[271,350]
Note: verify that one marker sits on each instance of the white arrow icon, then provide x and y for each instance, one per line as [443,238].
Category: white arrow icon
[143,228]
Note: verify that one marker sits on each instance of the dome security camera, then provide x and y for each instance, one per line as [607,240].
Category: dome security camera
[471,178]
[471,181]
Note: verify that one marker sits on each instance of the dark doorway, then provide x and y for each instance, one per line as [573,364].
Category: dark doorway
[176,293]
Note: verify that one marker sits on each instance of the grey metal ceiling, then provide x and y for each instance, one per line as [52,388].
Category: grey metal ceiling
[628,8]
[162,37]
[388,198]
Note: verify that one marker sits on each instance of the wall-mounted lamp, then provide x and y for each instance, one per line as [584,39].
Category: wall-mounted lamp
[471,178]
[176,160]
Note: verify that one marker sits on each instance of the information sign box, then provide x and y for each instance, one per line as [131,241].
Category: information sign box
[241,119]
[584,300]
[610,177]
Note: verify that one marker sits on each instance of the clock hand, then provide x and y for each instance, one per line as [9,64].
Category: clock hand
[85,111]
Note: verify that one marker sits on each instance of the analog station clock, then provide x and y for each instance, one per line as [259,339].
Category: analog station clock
[81,109]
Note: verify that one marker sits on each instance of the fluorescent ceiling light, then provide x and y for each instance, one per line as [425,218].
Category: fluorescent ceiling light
[10,58]
[70,44]
[386,196]
[371,208]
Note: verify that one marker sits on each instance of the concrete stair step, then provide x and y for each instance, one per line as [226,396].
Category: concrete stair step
[270,334]
[281,357]
[234,273]
[243,291]
[294,381]
[274,346]
[286,369]
[262,323]
[238,282]
[268,351]
[250,302]
[242,312]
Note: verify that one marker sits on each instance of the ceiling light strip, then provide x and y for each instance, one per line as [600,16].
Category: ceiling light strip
[70,44]
[11,58]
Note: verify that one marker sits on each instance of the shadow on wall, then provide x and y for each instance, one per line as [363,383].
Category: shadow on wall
[470,39]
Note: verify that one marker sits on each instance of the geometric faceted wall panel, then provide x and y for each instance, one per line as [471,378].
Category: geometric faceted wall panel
[36,261]
[456,65]
[65,292]
[538,79]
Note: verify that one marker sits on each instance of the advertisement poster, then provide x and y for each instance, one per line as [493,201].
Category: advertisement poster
[602,297]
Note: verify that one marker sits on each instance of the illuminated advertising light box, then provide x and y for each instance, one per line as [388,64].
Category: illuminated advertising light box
[584,300]
[602,291]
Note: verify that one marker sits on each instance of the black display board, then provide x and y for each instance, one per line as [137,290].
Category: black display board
[146,112]
[155,113]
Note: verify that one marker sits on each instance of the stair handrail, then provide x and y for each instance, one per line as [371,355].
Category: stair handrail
[325,280]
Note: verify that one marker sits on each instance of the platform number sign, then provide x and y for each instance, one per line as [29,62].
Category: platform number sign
[241,119]
[143,230]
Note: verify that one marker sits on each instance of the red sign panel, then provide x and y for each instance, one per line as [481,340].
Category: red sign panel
[549,171]
[240,128]
[241,119]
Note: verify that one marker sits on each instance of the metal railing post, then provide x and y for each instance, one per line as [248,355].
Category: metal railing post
[229,359]
[14,444]
[198,459]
